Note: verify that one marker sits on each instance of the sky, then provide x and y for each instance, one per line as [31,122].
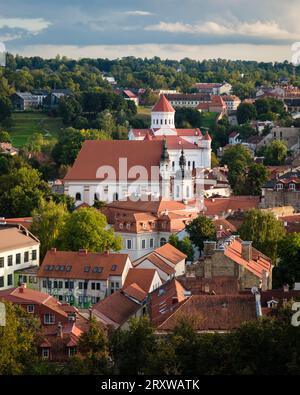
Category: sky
[262,30]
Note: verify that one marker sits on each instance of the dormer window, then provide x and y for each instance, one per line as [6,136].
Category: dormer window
[292,186]
[279,186]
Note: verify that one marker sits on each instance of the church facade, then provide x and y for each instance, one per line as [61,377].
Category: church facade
[160,162]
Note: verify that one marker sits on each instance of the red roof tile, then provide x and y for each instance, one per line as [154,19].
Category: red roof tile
[170,253]
[163,105]
[142,277]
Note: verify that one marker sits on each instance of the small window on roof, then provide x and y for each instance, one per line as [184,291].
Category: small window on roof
[87,269]
[47,268]
[97,269]
[51,267]
[62,268]
[68,268]
[57,267]
[114,268]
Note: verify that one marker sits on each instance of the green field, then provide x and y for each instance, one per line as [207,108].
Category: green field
[24,124]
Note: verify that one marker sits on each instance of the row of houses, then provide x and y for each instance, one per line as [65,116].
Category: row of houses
[37,99]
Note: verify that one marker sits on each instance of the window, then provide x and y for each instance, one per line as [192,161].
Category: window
[93,286]
[78,196]
[85,285]
[22,279]
[9,260]
[49,319]
[80,285]
[2,261]
[72,351]
[87,269]
[93,300]
[143,244]
[187,191]
[18,259]
[30,308]
[44,283]
[98,285]
[68,268]
[114,268]
[9,280]
[34,255]
[45,353]
[292,187]
[114,286]
[71,284]
[1,282]
[54,284]
[80,299]
[129,244]
[279,186]
[96,197]
[67,284]
[60,284]
[151,243]
[26,256]
[163,241]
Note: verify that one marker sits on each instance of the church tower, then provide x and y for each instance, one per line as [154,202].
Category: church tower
[164,168]
[162,114]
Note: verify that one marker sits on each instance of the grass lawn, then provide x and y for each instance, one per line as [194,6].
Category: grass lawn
[24,124]
[208,120]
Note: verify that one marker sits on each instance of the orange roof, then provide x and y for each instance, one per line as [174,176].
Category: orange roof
[151,206]
[13,237]
[180,132]
[116,309]
[25,221]
[256,265]
[221,206]
[160,264]
[163,105]
[82,265]
[175,142]
[141,277]
[170,253]
[95,154]
[136,292]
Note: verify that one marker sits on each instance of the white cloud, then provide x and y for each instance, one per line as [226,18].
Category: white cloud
[32,25]
[268,53]
[266,29]
[138,13]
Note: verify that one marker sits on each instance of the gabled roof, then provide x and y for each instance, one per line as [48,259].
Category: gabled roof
[95,154]
[141,277]
[163,105]
[221,206]
[160,264]
[136,292]
[170,253]
[74,265]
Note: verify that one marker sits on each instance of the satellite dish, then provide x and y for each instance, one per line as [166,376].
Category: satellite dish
[254,290]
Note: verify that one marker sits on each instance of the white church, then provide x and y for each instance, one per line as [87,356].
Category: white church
[159,162]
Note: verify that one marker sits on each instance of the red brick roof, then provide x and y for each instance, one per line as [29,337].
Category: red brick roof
[95,154]
[136,292]
[222,285]
[100,265]
[163,105]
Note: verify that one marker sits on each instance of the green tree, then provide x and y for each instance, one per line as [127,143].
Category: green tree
[133,348]
[184,246]
[21,191]
[288,269]
[264,230]
[5,108]
[201,229]
[257,175]
[274,153]
[4,137]
[86,228]
[48,224]
[245,112]
[18,341]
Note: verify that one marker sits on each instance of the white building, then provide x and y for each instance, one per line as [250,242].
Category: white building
[232,102]
[82,278]
[19,249]
[151,163]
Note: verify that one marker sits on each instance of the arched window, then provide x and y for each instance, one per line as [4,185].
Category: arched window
[78,196]
[163,241]
[161,121]
[166,121]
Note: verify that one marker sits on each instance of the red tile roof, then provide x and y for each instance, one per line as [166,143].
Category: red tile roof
[176,142]
[163,105]
[136,292]
[180,132]
[222,285]
[116,309]
[170,253]
[13,237]
[95,154]
[215,312]
[79,261]
[141,277]
[222,206]
[160,264]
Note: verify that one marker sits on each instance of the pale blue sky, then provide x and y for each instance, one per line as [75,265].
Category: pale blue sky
[256,29]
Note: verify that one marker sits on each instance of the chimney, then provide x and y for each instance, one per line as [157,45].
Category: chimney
[90,313]
[60,330]
[106,252]
[247,250]
[53,250]
[82,251]
[209,247]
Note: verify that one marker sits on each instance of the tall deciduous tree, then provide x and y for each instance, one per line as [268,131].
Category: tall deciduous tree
[48,224]
[264,230]
[87,229]
[184,246]
[200,229]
